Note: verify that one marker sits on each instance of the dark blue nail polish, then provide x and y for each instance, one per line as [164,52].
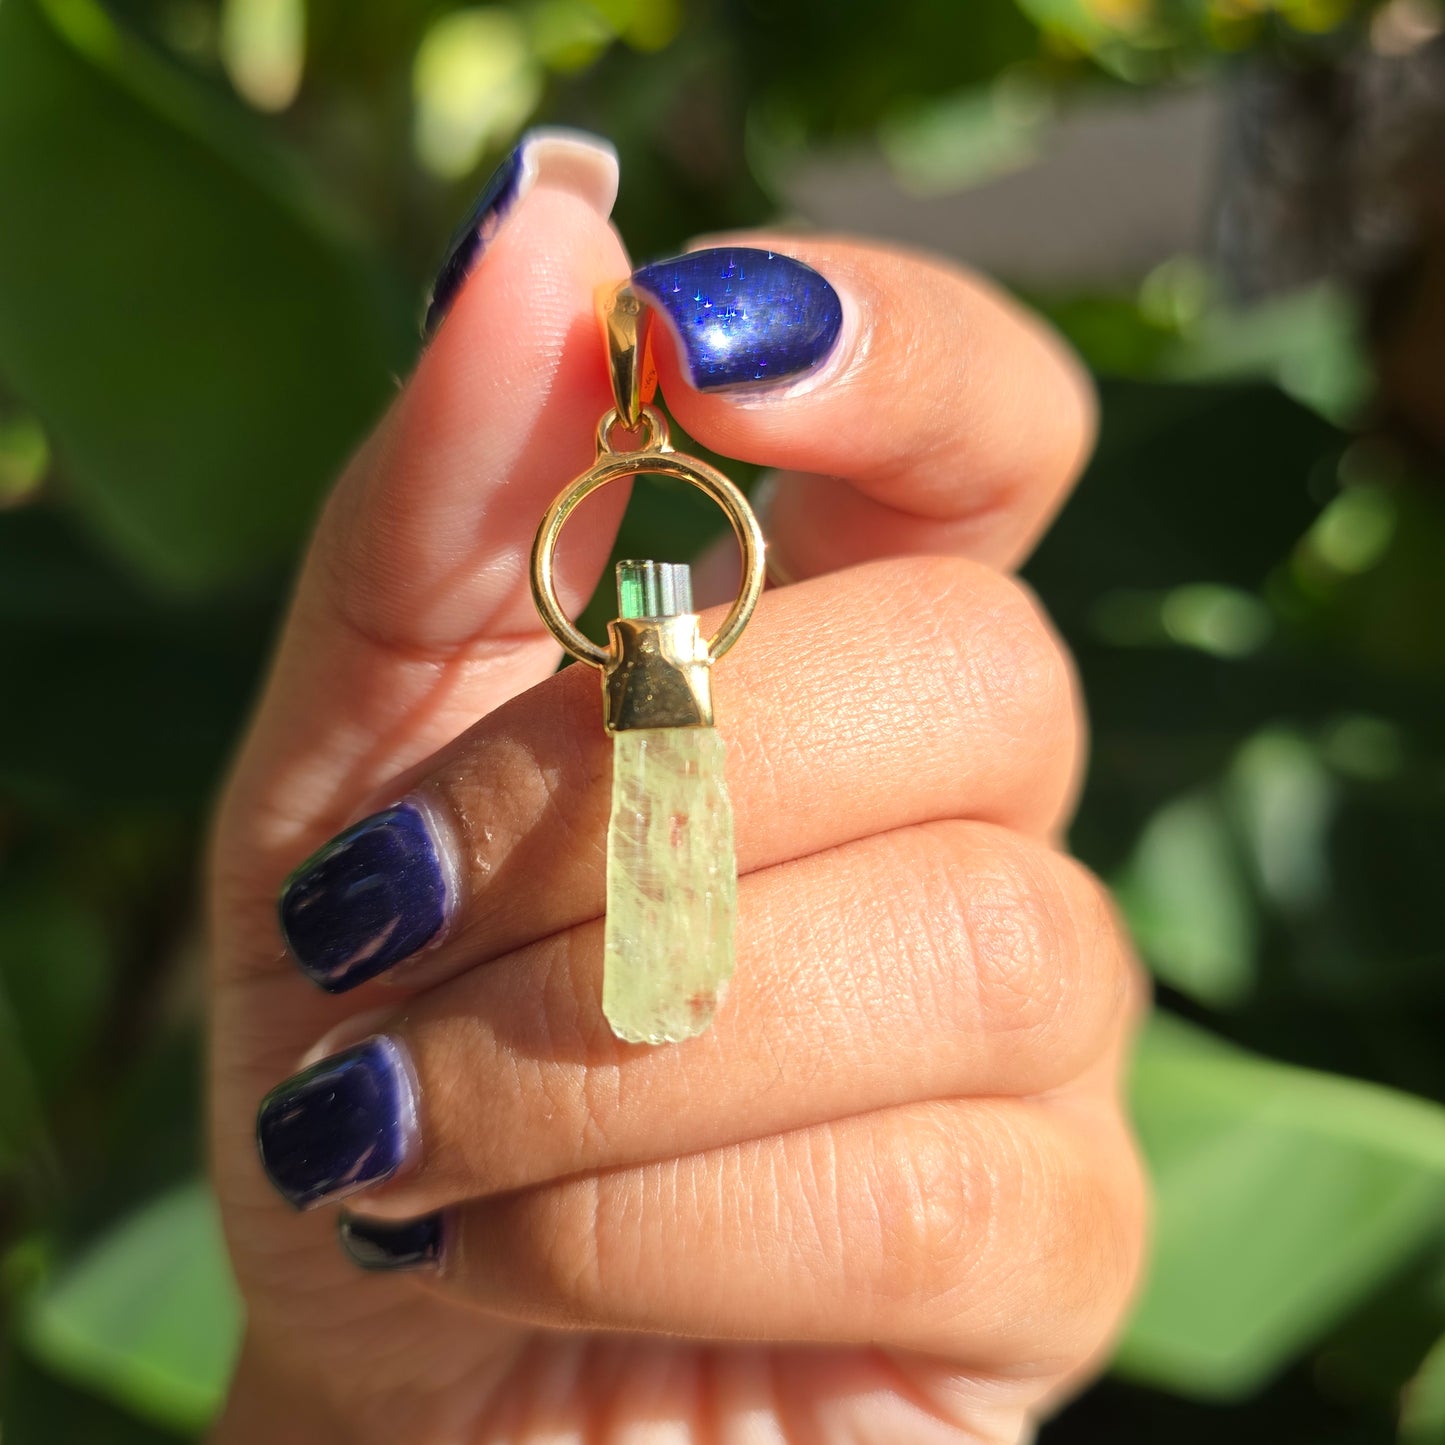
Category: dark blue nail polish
[744,316]
[341,1125]
[371,897]
[374,1245]
[473,236]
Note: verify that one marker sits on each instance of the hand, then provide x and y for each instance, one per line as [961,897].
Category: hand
[901,1142]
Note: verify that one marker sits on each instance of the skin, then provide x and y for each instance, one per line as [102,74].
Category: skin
[891,1195]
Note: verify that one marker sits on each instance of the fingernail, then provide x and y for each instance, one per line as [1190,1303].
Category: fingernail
[744,316]
[341,1125]
[371,897]
[414,1244]
[571,160]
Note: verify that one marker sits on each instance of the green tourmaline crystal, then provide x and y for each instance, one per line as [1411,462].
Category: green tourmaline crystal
[671,884]
[653,589]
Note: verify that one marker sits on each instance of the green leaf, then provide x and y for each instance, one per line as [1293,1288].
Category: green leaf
[1283,1197]
[150,1317]
[1284,801]
[1077,19]
[1308,341]
[200,346]
[965,139]
[1188,902]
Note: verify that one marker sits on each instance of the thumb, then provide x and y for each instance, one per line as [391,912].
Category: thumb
[412,615]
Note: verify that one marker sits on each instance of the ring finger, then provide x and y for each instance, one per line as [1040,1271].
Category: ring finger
[949,960]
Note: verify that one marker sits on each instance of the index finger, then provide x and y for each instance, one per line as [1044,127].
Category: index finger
[915,408]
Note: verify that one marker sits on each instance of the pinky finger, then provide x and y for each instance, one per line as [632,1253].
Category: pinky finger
[983,1231]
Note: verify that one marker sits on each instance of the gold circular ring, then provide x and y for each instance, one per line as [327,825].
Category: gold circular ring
[655,459]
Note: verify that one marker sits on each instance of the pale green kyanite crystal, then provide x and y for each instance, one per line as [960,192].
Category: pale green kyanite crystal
[671,872]
[671,884]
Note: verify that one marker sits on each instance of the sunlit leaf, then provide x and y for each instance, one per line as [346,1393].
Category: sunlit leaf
[1188,902]
[1080,20]
[1284,801]
[150,1316]
[1283,1196]
[965,139]
[475,80]
[1309,342]
[263,46]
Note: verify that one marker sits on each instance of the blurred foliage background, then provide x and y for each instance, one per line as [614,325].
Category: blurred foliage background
[216,224]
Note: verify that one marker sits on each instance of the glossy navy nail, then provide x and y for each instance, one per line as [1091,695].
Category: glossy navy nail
[371,897]
[744,316]
[572,160]
[341,1125]
[374,1245]
[473,236]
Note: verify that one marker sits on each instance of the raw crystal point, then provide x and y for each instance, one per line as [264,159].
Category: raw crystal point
[671,884]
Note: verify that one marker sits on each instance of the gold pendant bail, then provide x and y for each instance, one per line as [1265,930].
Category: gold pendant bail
[626,325]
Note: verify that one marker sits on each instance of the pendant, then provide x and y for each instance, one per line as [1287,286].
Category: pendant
[671,867]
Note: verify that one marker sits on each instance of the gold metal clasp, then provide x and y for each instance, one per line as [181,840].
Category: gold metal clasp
[660,674]
[624,319]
